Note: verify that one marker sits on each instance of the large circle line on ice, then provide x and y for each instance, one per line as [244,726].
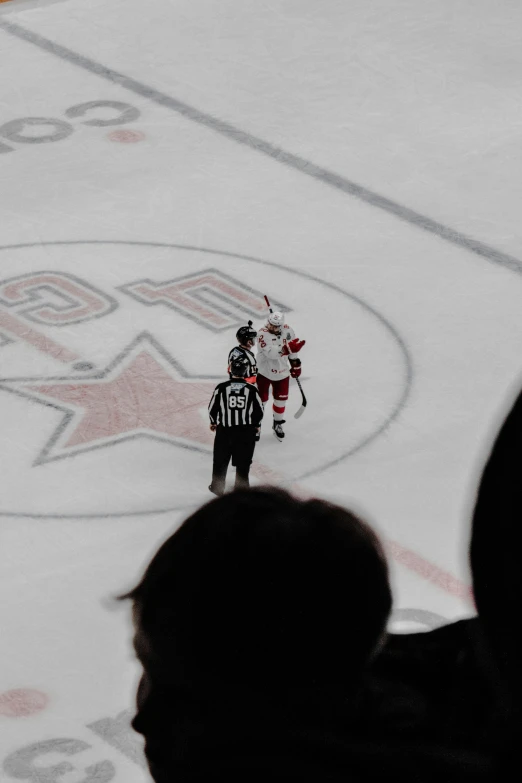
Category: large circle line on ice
[378,428]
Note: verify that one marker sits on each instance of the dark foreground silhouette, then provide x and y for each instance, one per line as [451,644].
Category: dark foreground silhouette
[260,625]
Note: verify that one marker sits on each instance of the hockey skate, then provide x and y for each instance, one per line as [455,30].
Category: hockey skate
[277,427]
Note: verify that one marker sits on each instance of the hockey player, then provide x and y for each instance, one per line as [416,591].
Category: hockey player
[246,337]
[277,360]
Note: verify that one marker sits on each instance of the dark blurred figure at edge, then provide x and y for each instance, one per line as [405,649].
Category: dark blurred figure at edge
[461,685]
[496,555]
[260,625]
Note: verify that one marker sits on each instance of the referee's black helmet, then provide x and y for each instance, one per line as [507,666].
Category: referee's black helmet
[246,333]
[239,367]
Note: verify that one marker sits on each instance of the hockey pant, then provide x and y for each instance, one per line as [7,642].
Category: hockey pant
[237,443]
[279,392]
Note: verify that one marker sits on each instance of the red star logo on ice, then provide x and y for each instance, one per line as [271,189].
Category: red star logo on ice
[143,393]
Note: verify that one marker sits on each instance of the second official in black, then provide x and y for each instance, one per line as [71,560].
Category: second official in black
[235,413]
[246,337]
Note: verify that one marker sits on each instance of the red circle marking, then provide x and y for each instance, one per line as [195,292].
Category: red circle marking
[126,136]
[21,702]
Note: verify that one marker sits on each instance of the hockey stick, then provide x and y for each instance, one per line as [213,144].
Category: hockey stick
[303,398]
[303,401]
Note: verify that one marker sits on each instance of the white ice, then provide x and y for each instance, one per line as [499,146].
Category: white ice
[417,102]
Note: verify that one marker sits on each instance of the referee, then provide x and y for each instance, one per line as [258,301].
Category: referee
[246,337]
[235,412]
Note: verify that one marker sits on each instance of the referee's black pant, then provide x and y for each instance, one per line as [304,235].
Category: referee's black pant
[239,443]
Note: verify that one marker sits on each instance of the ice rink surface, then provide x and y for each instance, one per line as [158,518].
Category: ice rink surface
[165,164]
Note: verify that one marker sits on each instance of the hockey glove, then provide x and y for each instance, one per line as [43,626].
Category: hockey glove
[295,345]
[295,368]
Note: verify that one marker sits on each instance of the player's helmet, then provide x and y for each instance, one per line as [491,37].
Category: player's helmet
[239,367]
[246,333]
[276,319]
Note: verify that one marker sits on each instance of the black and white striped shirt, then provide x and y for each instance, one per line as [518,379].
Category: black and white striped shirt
[235,403]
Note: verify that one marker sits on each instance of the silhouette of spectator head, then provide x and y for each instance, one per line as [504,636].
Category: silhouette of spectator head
[262,589]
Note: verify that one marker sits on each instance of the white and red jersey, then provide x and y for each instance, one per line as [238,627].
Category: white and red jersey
[270,362]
